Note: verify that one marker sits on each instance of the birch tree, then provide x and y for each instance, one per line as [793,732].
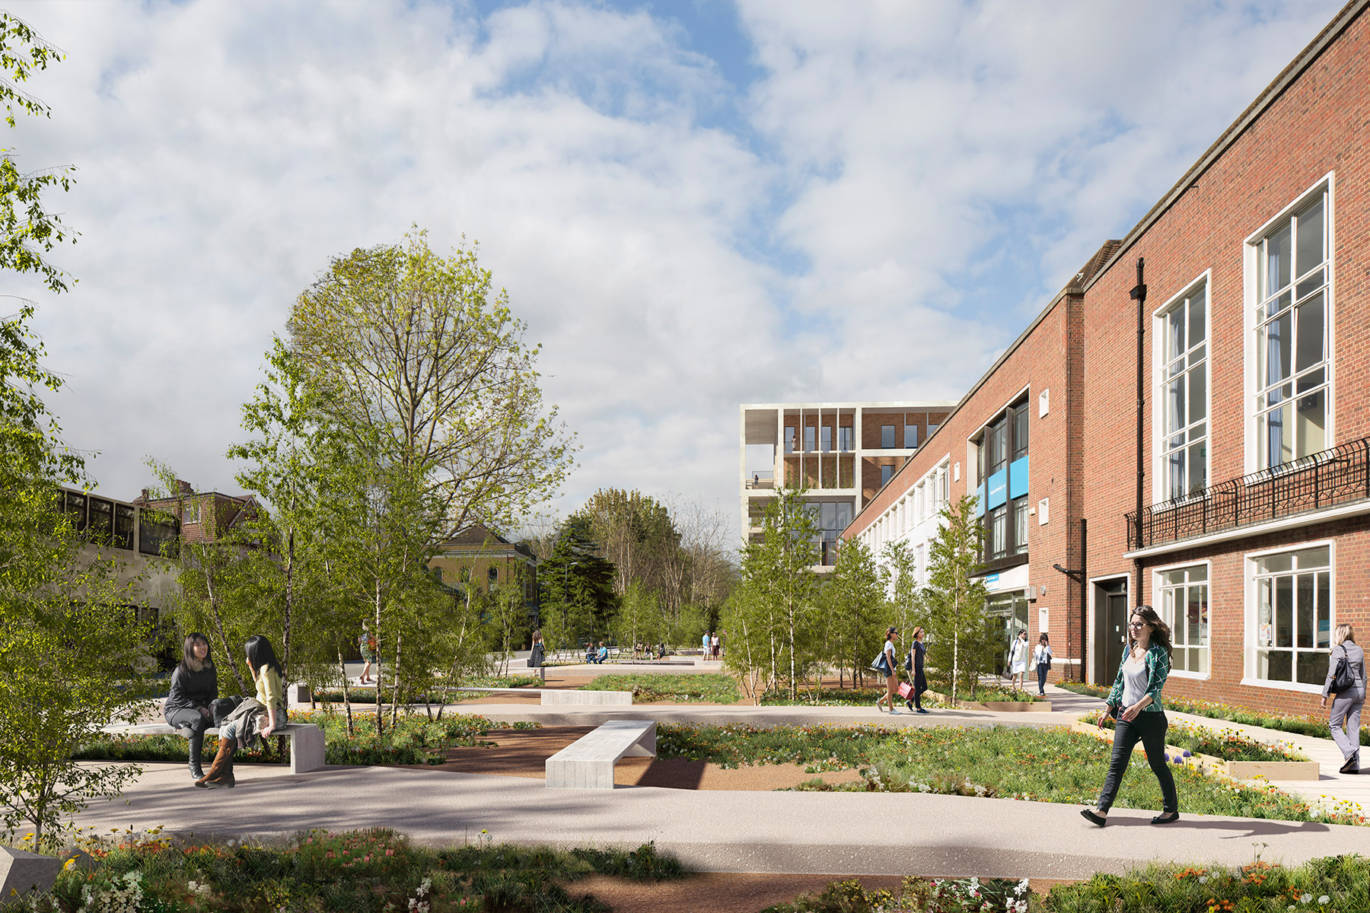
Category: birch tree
[956,596]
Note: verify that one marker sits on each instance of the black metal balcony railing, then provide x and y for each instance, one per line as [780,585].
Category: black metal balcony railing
[1327,479]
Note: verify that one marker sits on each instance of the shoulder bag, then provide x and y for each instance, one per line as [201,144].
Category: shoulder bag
[1342,679]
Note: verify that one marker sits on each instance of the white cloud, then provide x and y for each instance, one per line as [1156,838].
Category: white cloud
[936,172]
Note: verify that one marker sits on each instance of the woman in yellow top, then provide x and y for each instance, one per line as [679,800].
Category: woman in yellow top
[262,720]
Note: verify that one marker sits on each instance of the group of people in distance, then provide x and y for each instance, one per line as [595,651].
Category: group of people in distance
[193,701]
[596,654]
[710,647]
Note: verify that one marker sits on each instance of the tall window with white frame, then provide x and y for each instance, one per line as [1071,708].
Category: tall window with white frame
[1184,394]
[1292,307]
[1294,615]
[1183,596]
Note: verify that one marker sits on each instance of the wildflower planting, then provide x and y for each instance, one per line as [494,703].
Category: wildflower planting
[1226,744]
[373,871]
[1299,725]
[1044,765]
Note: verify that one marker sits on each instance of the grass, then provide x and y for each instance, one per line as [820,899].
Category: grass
[416,740]
[701,688]
[1299,725]
[366,694]
[1044,765]
[375,871]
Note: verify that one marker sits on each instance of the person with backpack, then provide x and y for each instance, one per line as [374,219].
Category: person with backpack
[885,665]
[914,666]
[1346,683]
[367,644]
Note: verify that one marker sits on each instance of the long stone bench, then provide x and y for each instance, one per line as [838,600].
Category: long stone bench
[306,740]
[588,762]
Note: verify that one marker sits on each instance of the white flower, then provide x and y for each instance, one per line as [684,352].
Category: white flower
[1305,898]
[1322,901]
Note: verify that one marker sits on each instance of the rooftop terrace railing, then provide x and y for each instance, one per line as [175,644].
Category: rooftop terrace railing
[1315,482]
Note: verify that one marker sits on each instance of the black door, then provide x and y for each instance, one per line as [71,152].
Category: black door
[1113,629]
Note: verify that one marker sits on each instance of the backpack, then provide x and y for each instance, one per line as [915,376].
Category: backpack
[1342,679]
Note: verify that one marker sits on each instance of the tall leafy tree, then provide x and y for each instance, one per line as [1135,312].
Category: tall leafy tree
[959,646]
[419,356]
[68,646]
[777,612]
[857,611]
[901,571]
[636,535]
[577,597]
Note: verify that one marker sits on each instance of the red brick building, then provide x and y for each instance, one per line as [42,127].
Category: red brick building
[1187,424]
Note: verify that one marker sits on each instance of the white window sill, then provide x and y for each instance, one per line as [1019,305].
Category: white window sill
[1196,676]
[1281,686]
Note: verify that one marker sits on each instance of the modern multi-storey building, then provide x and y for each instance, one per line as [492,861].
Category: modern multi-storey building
[1187,423]
[841,454]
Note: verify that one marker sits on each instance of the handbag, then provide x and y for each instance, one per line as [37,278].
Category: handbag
[882,665]
[905,689]
[1342,679]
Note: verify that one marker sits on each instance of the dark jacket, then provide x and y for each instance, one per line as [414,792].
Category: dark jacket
[192,690]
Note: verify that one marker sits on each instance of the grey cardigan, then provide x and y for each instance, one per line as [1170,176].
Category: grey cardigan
[1355,657]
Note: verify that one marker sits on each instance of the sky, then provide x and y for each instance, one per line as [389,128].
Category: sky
[692,204]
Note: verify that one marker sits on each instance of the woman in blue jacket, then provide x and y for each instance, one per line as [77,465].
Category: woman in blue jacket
[1136,703]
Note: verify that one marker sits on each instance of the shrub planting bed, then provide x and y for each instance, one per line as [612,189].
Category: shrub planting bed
[700,688]
[1045,765]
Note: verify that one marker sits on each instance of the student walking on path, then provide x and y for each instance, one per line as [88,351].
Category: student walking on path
[1136,703]
[885,663]
[1017,660]
[537,656]
[1041,659]
[1344,718]
[914,664]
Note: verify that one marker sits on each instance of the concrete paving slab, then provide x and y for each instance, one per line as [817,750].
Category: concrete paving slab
[837,833]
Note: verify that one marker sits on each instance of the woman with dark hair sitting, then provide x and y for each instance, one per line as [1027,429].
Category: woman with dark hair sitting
[194,686]
[252,718]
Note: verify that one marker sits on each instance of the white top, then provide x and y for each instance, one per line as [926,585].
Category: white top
[1041,654]
[1017,656]
[1134,680]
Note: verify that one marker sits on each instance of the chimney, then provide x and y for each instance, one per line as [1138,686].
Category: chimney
[184,488]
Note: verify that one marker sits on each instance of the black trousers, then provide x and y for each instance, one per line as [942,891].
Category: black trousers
[197,723]
[1149,727]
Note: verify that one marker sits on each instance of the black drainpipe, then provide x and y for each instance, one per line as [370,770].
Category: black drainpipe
[1084,601]
[1139,296]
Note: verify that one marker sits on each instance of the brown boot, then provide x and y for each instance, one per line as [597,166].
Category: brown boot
[221,771]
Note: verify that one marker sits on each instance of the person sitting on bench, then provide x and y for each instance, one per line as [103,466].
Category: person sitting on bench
[252,718]
[194,686]
[602,653]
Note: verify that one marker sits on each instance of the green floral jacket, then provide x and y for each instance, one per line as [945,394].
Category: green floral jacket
[1157,669]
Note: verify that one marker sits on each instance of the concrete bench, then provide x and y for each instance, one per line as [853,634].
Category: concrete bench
[306,740]
[588,762]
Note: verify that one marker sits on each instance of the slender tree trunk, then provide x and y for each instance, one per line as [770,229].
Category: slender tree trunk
[347,695]
[376,631]
[289,597]
[395,689]
[219,627]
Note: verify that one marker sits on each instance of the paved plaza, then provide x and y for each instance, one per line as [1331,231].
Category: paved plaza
[745,831]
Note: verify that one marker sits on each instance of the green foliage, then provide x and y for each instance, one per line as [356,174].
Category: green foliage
[961,642]
[413,740]
[706,687]
[639,620]
[855,610]
[1340,883]
[773,619]
[69,645]
[28,232]
[935,895]
[421,353]
[1299,725]
[898,560]
[576,584]
[363,871]
[1227,744]
[1042,765]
